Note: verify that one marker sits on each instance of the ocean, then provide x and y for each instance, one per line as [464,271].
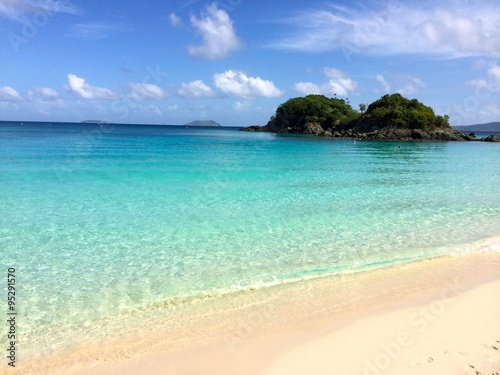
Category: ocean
[103,223]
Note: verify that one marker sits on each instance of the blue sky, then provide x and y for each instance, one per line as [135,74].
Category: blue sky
[235,61]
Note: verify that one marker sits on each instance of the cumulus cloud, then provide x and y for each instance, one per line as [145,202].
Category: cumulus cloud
[216,29]
[78,86]
[338,84]
[43,93]
[8,94]
[195,89]
[450,30]
[141,91]
[15,9]
[239,84]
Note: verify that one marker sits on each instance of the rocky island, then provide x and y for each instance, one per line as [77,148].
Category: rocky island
[392,117]
[202,123]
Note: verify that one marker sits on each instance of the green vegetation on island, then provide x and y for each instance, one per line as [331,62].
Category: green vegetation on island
[390,117]
[399,112]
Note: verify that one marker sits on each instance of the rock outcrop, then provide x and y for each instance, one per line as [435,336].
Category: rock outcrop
[491,138]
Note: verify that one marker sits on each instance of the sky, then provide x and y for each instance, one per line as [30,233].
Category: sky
[235,61]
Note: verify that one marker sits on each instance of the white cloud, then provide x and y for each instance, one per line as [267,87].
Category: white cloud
[240,106]
[78,86]
[306,88]
[149,111]
[43,93]
[195,89]
[450,30]
[15,9]
[239,84]
[175,20]
[494,77]
[477,83]
[338,84]
[8,94]
[383,81]
[410,85]
[492,80]
[141,91]
[219,36]
[402,83]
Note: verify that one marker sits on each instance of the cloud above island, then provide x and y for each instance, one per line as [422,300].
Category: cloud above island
[338,84]
[239,84]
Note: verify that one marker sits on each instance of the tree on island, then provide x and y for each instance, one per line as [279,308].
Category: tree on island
[300,114]
[399,112]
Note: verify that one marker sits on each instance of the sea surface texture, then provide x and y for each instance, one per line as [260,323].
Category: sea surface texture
[105,220]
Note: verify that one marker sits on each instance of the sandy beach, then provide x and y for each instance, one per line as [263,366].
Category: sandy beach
[437,316]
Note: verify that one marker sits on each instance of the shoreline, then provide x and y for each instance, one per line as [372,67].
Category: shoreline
[257,327]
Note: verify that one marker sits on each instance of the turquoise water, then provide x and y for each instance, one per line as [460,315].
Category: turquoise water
[102,220]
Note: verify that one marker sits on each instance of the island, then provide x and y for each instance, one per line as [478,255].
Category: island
[392,117]
[202,123]
[96,122]
[488,127]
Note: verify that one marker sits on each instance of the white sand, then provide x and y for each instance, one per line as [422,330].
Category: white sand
[458,334]
[442,318]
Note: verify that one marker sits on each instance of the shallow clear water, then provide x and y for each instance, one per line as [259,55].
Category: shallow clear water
[101,220]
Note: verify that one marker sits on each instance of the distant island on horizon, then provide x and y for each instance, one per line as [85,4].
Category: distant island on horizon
[487,127]
[96,122]
[202,123]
